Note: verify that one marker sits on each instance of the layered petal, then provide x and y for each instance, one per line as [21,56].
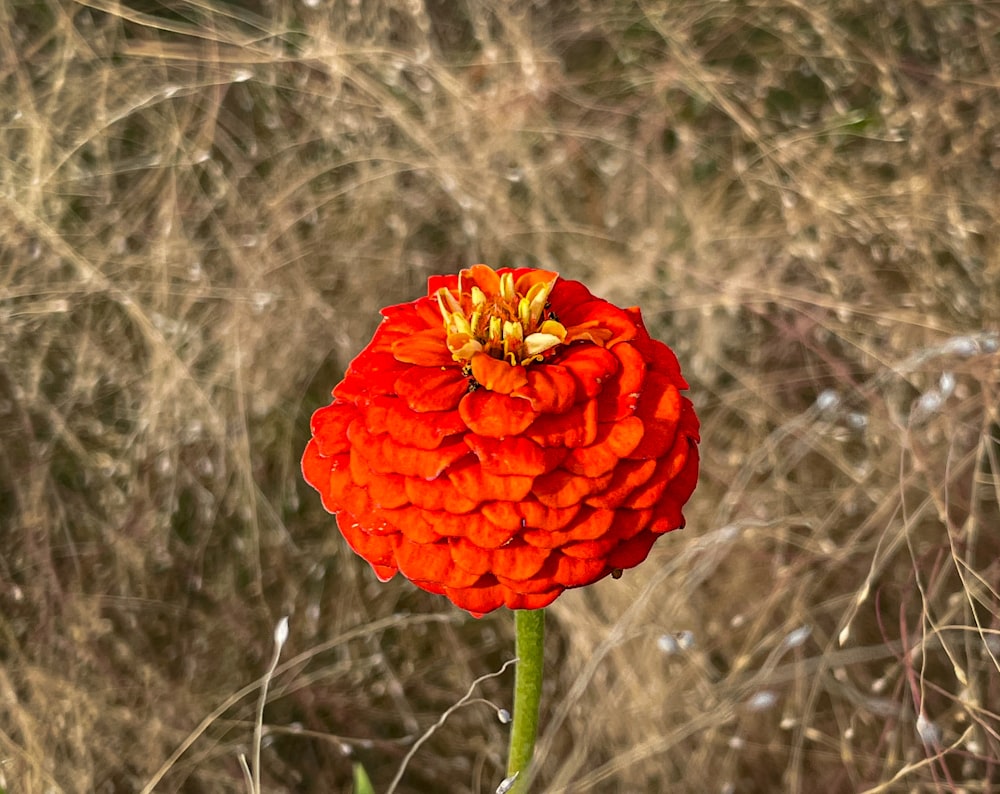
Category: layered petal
[496,415]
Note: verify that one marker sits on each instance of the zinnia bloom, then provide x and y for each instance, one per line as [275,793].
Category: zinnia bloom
[504,438]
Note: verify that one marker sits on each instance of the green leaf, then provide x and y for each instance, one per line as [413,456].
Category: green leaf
[362,785]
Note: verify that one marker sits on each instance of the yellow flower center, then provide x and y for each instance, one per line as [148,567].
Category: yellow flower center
[496,315]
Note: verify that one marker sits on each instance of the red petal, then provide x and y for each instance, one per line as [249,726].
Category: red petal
[430,587]
[319,470]
[497,375]
[473,526]
[620,395]
[431,388]
[662,359]
[528,515]
[431,562]
[437,494]
[526,278]
[425,430]
[550,388]
[376,549]
[575,428]
[598,313]
[613,442]
[385,490]
[667,514]
[660,410]
[542,582]
[539,516]
[566,294]
[427,348]
[469,556]
[386,456]
[518,561]
[632,551]
[502,513]
[434,283]
[511,455]
[373,371]
[576,572]
[628,523]
[414,524]
[628,475]
[667,468]
[478,600]
[497,415]
[689,424]
[561,488]
[405,319]
[590,365]
[483,276]
[329,427]
[589,524]
[474,482]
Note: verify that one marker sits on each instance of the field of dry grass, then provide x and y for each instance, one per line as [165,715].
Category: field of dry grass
[203,205]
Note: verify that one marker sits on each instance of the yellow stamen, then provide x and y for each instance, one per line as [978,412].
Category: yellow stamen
[490,315]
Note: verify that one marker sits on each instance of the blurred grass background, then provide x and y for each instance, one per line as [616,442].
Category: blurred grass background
[202,206]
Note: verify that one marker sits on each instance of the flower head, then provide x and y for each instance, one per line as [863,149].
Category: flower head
[504,438]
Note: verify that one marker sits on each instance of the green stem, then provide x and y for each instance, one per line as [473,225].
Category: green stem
[530,626]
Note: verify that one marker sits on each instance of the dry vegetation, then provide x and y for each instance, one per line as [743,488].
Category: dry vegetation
[202,206]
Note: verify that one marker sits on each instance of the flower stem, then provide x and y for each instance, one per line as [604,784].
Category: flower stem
[529,645]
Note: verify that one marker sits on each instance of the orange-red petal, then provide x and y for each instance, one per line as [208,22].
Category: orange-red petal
[536,515]
[590,366]
[628,475]
[424,348]
[385,455]
[576,427]
[660,410]
[518,560]
[431,388]
[415,524]
[667,514]
[560,488]
[497,374]
[665,359]
[470,557]
[620,396]
[668,467]
[377,549]
[497,415]
[431,562]
[437,494]
[329,428]
[550,388]
[481,485]
[576,571]
[385,490]
[628,523]
[614,441]
[632,551]
[474,526]
[512,455]
[424,430]
[587,524]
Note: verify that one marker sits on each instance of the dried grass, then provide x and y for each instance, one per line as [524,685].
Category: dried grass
[202,206]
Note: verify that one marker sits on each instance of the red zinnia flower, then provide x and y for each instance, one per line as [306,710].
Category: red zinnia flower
[504,438]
